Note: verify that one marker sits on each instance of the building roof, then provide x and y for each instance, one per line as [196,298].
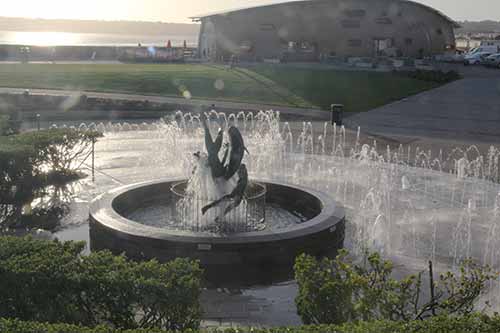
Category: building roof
[226,12]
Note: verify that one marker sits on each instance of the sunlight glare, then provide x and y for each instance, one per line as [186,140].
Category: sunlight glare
[45,38]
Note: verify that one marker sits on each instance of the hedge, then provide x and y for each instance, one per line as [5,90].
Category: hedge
[437,76]
[471,324]
[49,281]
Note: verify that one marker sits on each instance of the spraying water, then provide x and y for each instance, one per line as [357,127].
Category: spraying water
[410,204]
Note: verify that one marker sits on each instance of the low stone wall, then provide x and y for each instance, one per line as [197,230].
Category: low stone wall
[54,107]
[241,256]
[80,107]
[72,53]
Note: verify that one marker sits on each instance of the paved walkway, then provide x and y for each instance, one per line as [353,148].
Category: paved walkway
[180,103]
[465,110]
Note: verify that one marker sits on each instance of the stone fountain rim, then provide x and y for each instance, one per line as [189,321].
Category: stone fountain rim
[102,212]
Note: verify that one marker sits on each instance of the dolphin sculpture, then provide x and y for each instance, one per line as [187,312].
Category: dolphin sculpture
[237,152]
[213,149]
[236,196]
[229,166]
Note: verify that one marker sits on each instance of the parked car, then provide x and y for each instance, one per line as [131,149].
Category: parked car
[475,58]
[485,49]
[493,60]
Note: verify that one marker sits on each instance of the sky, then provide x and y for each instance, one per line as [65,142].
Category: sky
[179,10]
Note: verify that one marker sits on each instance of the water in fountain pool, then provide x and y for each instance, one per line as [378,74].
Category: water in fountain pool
[164,216]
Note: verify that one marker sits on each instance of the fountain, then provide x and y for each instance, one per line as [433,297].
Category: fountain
[219,216]
[412,205]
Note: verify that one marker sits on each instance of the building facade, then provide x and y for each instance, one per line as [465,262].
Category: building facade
[313,29]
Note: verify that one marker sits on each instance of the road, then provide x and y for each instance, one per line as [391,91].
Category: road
[465,110]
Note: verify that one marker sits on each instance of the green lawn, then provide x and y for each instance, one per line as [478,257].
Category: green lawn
[359,91]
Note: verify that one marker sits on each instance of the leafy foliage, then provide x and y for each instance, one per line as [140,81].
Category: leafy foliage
[437,76]
[9,124]
[442,324]
[338,291]
[58,148]
[51,282]
[17,174]
[31,160]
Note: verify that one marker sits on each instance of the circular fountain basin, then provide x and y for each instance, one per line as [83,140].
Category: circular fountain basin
[320,233]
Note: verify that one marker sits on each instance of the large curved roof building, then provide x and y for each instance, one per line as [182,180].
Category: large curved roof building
[310,30]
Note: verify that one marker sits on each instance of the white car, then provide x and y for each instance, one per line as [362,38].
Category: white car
[493,60]
[475,58]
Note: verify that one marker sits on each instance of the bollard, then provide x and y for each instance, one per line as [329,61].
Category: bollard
[38,122]
[337,111]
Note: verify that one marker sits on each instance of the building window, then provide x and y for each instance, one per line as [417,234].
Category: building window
[354,12]
[267,27]
[350,24]
[408,41]
[354,43]
[383,20]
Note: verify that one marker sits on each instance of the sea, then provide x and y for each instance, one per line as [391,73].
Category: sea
[92,39]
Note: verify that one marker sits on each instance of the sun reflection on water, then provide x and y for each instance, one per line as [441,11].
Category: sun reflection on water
[45,38]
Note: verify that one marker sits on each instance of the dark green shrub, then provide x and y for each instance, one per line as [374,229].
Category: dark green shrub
[468,324]
[3,124]
[437,76]
[338,291]
[59,148]
[50,282]
[17,174]
[28,163]
[9,124]
[30,160]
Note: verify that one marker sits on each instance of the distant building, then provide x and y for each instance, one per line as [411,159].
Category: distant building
[313,29]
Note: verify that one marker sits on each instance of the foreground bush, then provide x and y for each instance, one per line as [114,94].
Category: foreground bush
[468,324]
[338,291]
[51,282]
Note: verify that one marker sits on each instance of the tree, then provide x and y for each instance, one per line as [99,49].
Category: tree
[59,148]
